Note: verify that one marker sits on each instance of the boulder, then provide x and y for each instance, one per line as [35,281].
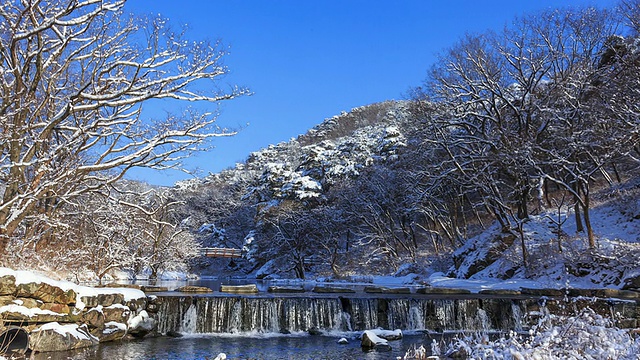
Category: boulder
[371,341]
[7,285]
[112,331]
[6,300]
[194,289]
[56,337]
[389,335]
[94,318]
[314,331]
[18,313]
[116,313]
[46,293]
[343,341]
[55,307]
[239,289]
[141,324]
[28,302]
[102,300]
[137,304]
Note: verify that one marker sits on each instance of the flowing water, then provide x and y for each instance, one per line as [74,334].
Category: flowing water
[267,326]
[245,346]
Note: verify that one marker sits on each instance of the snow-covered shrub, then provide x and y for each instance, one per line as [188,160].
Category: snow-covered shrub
[587,336]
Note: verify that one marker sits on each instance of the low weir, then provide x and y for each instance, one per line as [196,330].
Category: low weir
[238,314]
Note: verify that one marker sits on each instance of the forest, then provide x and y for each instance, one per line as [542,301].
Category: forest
[539,119]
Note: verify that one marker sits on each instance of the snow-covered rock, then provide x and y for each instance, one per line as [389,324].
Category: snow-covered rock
[141,324]
[56,337]
[372,341]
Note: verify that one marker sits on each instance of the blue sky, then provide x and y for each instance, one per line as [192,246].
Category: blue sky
[306,61]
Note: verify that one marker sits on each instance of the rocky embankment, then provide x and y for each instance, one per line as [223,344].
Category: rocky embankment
[60,315]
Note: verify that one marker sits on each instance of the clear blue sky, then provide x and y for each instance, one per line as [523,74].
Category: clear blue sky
[308,60]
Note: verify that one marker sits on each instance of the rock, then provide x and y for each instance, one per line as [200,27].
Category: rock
[194,289]
[150,288]
[128,286]
[7,285]
[329,289]
[457,353]
[28,303]
[94,318]
[314,331]
[112,331]
[116,313]
[442,291]
[174,334]
[46,293]
[104,300]
[388,334]
[500,292]
[620,294]
[581,292]
[371,341]
[6,300]
[285,289]
[386,290]
[343,341]
[239,289]
[20,314]
[56,337]
[631,283]
[55,307]
[141,324]
[137,304]
[542,292]
[221,356]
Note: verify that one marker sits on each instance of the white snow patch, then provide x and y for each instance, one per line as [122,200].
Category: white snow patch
[69,329]
[26,277]
[112,326]
[19,309]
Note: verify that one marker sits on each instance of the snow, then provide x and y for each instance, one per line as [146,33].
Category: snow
[142,321]
[19,309]
[69,329]
[112,326]
[375,338]
[588,336]
[25,277]
[385,334]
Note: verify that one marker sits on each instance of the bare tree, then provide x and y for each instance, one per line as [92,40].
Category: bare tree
[73,78]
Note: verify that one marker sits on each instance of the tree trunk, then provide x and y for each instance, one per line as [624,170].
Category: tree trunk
[576,208]
[525,255]
[587,222]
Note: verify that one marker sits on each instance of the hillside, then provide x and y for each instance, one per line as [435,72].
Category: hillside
[334,198]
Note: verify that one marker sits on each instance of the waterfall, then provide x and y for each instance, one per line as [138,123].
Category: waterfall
[416,319]
[207,314]
[189,321]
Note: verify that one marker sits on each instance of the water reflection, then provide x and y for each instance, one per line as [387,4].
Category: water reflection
[207,347]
